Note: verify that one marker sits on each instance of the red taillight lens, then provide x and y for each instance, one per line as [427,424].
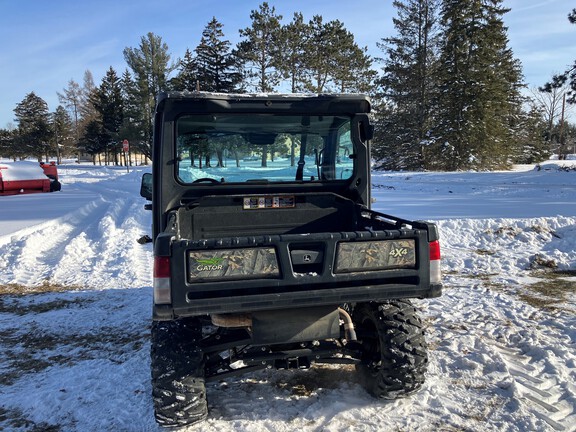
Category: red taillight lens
[162,289]
[434,250]
[161,267]
[435,270]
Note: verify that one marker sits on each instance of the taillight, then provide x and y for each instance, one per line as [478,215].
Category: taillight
[435,270]
[162,291]
[434,250]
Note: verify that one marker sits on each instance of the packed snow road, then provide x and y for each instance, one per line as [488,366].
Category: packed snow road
[75,311]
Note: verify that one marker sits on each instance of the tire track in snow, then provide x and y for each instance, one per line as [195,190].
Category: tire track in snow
[80,257]
[121,256]
[106,251]
[500,342]
[33,256]
[539,391]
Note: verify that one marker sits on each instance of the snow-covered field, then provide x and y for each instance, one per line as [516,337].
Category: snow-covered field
[502,339]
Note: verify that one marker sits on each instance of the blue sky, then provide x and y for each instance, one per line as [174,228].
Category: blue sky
[46,43]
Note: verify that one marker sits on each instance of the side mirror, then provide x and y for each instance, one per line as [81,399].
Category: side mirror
[146,186]
[365,128]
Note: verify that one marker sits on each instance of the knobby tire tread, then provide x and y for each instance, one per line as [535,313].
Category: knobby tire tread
[395,358]
[177,367]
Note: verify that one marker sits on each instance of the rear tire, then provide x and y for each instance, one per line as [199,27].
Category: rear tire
[394,357]
[177,366]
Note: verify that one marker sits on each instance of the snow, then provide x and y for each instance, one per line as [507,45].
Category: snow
[502,337]
[21,170]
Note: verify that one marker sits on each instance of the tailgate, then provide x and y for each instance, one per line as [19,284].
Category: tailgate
[293,270]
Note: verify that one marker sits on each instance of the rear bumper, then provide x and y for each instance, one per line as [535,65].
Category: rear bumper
[248,303]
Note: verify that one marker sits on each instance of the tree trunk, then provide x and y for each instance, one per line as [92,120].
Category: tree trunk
[264,157]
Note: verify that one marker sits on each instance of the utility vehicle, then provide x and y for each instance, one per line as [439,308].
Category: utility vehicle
[267,253]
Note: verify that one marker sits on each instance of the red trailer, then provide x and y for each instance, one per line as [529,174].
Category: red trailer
[28,177]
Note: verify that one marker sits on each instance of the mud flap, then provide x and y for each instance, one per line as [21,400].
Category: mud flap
[295,325]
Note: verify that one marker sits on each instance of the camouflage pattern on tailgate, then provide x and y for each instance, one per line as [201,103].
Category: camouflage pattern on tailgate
[375,255]
[232,264]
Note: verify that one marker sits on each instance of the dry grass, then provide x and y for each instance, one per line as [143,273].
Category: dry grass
[553,289]
[47,286]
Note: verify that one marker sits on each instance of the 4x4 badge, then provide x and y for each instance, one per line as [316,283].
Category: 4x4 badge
[398,252]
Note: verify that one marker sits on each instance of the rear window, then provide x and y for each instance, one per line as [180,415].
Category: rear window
[235,148]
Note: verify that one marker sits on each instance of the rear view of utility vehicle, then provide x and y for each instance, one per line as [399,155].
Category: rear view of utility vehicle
[266,251]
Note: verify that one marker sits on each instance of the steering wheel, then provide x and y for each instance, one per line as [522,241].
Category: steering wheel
[206,180]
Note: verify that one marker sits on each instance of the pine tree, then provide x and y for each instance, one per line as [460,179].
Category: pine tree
[321,50]
[351,69]
[259,52]
[530,138]
[457,98]
[34,132]
[8,147]
[187,76]
[94,141]
[215,64]
[108,101]
[132,128]
[408,84]
[294,38]
[334,62]
[64,137]
[479,88]
[150,64]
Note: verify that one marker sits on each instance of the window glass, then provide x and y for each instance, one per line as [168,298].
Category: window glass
[267,148]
